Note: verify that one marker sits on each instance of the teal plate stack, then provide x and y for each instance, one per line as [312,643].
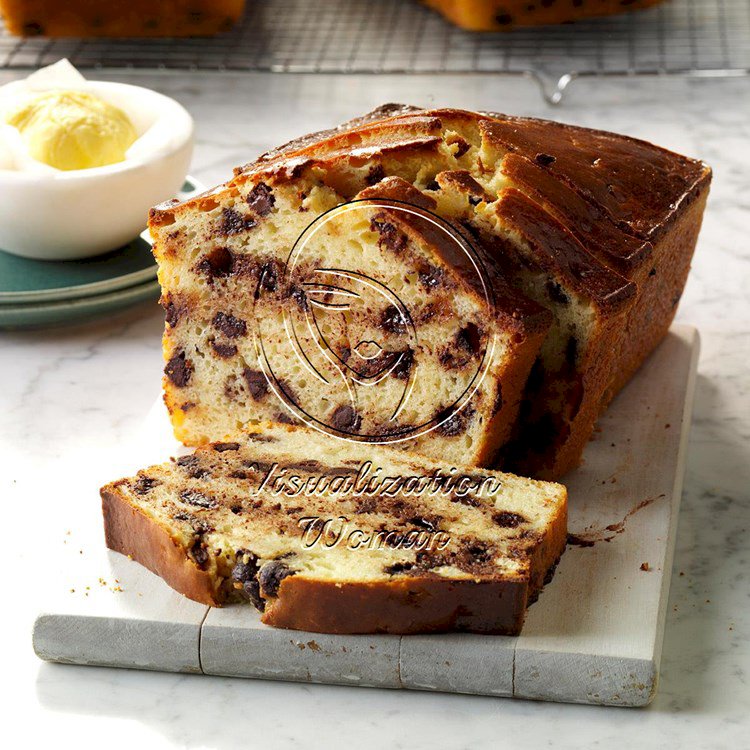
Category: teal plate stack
[40,293]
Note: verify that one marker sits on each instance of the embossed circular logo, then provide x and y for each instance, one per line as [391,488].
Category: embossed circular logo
[377,327]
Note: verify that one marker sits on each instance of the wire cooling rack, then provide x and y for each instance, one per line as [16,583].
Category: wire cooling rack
[687,37]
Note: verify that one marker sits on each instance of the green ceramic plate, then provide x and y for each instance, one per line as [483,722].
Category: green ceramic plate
[60,312]
[26,281]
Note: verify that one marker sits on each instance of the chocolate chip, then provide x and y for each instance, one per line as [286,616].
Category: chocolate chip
[256,383]
[508,520]
[230,326]
[392,320]
[145,484]
[556,293]
[261,199]
[652,272]
[544,159]
[463,146]
[299,296]
[455,424]
[233,222]
[199,553]
[174,309]
[404,364]
[199,472]
[271,575]
[432,185]
[345,419]
[431,277]
[179,370]
[225,351]
[198,499]
[223,447]
[375,175]
[269,277]
[251,589]
[479,551]
[218,263]
[398,567]
[246,567]
[504,19]
[467,500]
[469,338]
[391,237]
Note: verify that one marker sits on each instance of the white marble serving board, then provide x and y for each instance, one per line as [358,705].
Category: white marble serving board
[594,636]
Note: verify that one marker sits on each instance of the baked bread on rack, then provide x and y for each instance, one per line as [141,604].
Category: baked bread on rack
[504,15]
[326,536]
[596,228]
[124,18]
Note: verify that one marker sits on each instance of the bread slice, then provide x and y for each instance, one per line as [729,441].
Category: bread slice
[597,228]
[504,15]
[379,329]
[335,537]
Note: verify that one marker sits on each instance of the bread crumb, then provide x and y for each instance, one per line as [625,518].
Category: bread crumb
[645,566]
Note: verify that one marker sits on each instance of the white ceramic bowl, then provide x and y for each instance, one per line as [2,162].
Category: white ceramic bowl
[55,215]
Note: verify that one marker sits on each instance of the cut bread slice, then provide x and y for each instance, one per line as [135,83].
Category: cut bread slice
[597,228]
[383,325]
[335,537]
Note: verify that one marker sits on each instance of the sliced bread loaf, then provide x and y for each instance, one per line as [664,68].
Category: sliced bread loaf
[597,228]
[328,536]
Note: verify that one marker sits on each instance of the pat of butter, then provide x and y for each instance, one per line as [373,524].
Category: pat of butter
[70,129]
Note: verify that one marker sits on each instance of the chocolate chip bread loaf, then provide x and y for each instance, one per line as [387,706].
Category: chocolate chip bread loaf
[596,228]
[331,537]
[385,326]
[503,15]
[112,18]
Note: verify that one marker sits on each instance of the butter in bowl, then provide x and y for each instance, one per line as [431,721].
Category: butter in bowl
[81,162]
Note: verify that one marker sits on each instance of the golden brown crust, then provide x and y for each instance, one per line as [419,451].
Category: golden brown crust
[557,251]
[115,18]
[660,284]
[504,15]
[415,605]
[131,532]
[418,605]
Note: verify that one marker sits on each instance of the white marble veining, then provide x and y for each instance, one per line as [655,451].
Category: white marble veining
[70,397]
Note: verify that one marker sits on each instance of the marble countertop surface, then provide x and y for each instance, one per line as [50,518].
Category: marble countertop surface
[71,396]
